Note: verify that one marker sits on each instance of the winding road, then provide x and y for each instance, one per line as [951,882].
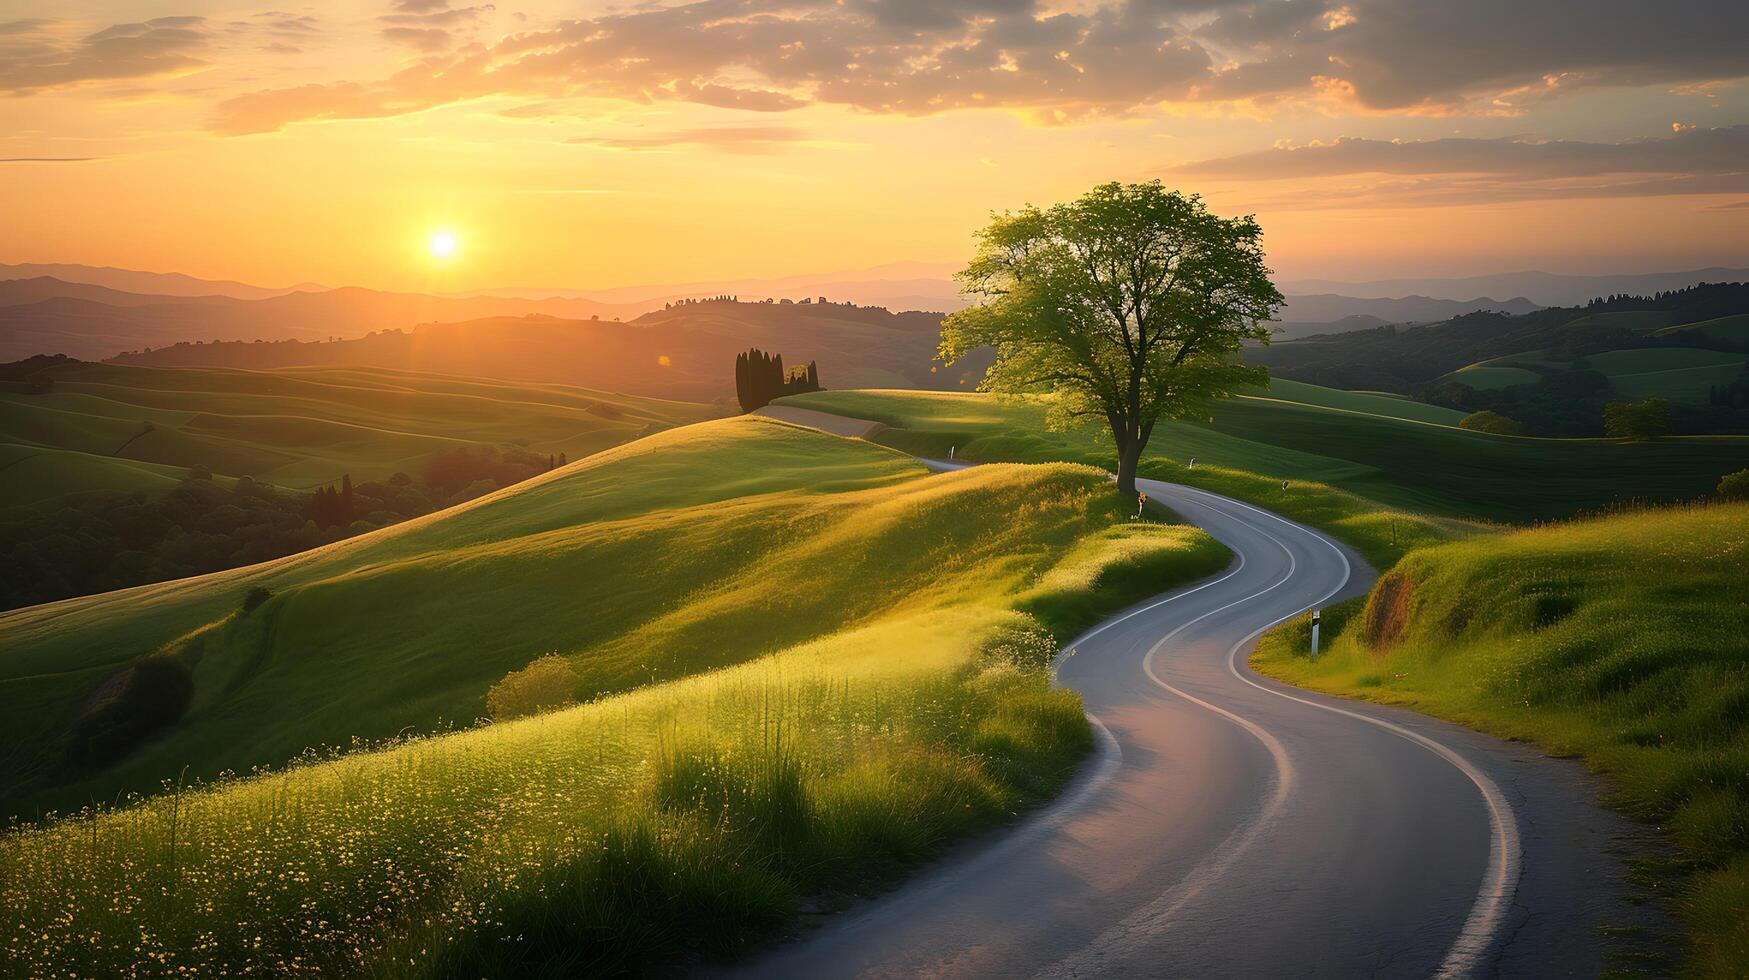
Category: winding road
[1230,826]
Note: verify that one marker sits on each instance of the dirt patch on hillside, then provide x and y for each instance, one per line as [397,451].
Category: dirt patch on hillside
[1386,616]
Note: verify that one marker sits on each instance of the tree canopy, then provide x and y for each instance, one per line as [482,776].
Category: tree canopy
[1128,305]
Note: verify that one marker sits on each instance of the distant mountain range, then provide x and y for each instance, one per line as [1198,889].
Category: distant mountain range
[1305,315]
[1542,288]
[151,283]
[94,313]
[45,315]
[686,352]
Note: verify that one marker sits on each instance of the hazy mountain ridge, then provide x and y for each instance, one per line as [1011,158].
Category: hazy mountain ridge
[684,352]
[1543,288]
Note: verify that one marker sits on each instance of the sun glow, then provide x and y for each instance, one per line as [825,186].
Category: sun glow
[442,244]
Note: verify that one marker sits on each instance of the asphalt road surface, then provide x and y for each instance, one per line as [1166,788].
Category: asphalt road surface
[1231,826]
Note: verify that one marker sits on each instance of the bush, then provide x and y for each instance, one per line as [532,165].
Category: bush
[1491,422]
[548,683]
[1734,486]
[1637,421]
[255,598]
[128,708]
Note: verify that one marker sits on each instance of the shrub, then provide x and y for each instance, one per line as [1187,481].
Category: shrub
[548,683]
[1491,422]
[1637,421]
[255,598]
[1734,486]
[126,709]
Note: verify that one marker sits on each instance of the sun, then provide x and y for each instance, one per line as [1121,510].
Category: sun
[442,244]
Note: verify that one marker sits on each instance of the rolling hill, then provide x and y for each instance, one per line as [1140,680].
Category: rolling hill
[123,426]
[896,699]
[1553,370]
[1348,440]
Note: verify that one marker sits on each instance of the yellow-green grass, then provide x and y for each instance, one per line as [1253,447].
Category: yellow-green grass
[691,549]
[1620,639]
[302,427]
[1411,466]
[902,701]
[1732,329]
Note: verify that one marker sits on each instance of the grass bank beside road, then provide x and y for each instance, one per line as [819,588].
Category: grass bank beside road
[984,428]
[1623,640]
[837,663]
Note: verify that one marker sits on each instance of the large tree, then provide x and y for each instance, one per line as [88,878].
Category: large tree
[1128,305]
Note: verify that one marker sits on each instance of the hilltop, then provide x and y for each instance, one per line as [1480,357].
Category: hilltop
[764,535]
[112,475]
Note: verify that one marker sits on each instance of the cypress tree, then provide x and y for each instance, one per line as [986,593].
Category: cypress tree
[345,499]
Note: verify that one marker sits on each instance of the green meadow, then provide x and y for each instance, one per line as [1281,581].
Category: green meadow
[1411,464]
[805,661]
[1619,640]
[106,426]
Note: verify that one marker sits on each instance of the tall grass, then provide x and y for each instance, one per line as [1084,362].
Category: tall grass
[1622,639]
[637,833]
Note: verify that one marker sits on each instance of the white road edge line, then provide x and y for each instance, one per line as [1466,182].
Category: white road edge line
[1500,879]
[1087,960]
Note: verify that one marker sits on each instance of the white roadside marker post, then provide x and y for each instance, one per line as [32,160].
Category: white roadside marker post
[1316,613]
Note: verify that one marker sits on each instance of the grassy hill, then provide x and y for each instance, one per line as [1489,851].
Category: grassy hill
[1367,402]
[1489,351]
[896,698]
[692,549]
[1620,640]
[107,426]
[1678,374]
[1732,331]
[1414,465]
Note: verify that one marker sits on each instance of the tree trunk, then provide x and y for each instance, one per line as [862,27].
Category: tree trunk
[1129,453]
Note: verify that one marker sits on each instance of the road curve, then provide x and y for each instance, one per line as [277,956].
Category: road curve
[1230,826]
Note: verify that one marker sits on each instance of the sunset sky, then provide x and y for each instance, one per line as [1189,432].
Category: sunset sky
[594,145]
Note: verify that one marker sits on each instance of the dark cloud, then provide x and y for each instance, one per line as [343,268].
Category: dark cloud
[33,59]
[1687,151]
[1401,54]
[917,57]
[1446,172]
[734,139]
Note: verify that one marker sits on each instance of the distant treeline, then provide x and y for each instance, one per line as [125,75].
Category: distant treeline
[102,540]
[760,379]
